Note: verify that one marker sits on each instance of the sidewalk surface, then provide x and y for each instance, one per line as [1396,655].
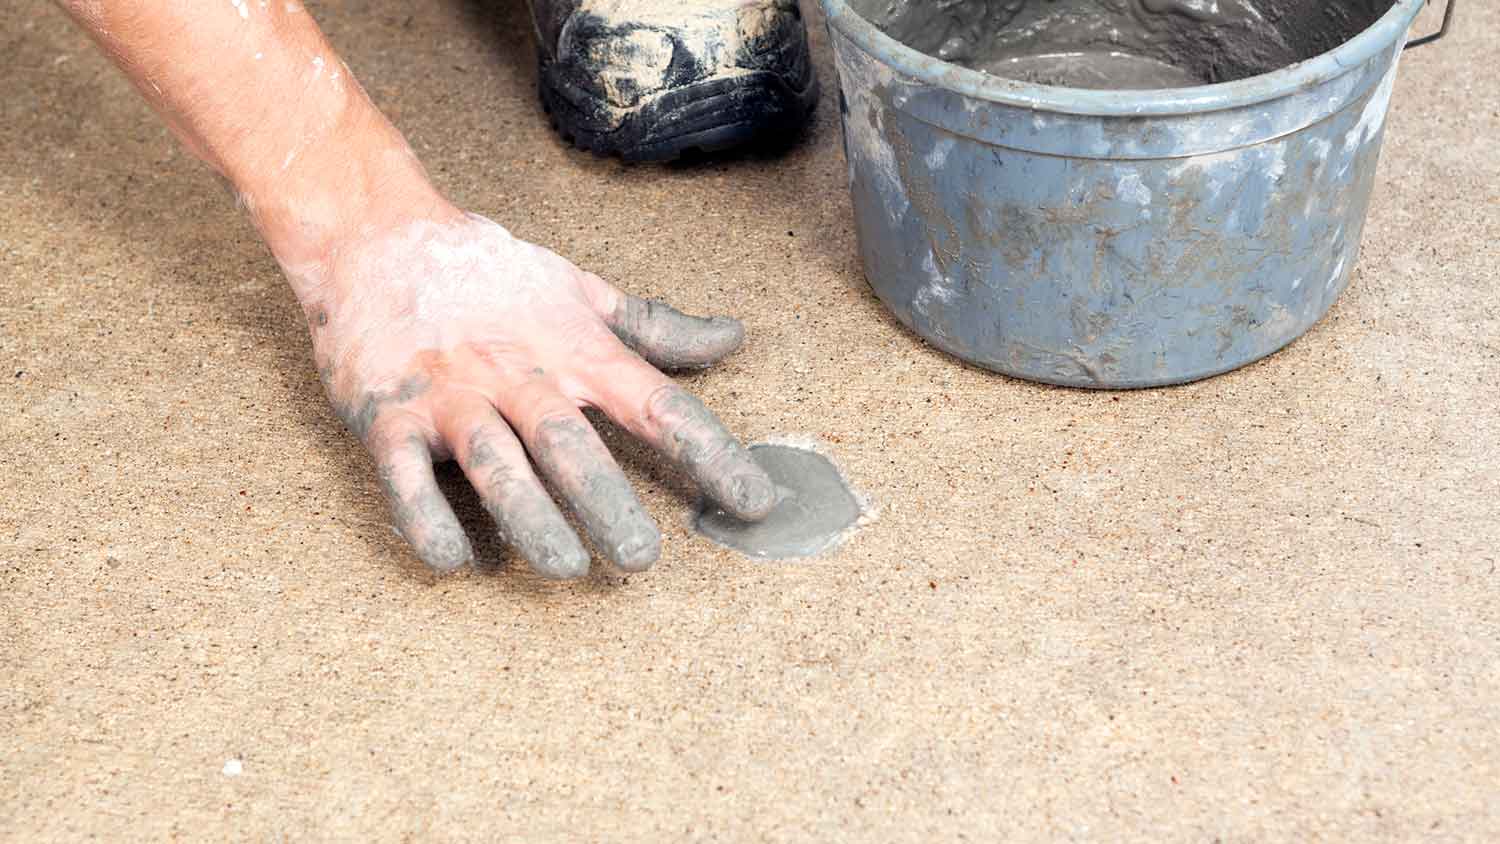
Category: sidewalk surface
[1263,606]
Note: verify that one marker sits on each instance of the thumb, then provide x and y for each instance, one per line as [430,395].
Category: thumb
[671,339]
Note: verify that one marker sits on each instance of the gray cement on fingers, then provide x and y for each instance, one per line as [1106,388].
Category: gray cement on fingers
[672,340]
[526,518]
[422,515]
[815,512]
[689,434]
[570,453]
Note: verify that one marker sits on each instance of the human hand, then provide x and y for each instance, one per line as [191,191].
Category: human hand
[445,337]
[437,333]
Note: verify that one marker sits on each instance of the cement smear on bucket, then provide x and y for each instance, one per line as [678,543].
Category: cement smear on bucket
[1093,69]
[1122,44]
[816,510]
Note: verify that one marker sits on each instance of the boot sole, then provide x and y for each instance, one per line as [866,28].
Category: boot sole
[716,115]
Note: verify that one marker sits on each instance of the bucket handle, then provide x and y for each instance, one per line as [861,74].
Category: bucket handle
[1442,29]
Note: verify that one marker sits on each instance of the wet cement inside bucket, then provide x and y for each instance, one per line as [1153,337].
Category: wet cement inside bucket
[816,510]
[1123,44]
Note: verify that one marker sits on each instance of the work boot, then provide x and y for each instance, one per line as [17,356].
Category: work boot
[650,80]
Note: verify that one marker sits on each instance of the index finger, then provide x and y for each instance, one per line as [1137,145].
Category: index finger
[675,423]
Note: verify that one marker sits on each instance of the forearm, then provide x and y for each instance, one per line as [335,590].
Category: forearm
[253,88]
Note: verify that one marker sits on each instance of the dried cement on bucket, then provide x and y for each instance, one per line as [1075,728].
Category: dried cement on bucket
[1123,44]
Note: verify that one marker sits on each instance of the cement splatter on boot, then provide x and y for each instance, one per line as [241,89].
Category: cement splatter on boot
[650,80]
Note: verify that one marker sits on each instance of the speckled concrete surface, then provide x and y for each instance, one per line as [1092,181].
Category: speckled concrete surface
[1259,607]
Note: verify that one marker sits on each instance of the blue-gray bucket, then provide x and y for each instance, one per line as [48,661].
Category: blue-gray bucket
[1111,239]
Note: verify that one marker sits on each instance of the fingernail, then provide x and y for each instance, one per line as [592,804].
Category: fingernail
[568,564]
[732,327]
[639,551]
[754,495]
[556,553]
[447,554]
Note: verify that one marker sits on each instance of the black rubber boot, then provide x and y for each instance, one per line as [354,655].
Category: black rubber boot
[651,80]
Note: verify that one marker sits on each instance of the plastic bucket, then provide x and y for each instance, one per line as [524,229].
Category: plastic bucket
[1111,238]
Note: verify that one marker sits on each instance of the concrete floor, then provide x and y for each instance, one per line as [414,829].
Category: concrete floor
[1261,607]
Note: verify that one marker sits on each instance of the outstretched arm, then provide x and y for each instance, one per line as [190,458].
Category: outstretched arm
[253,89]
[437,333]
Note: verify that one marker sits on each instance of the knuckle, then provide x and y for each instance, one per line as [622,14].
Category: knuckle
[558,428]
[688,431]
[668,406]
[490,443]
[716,454]
[593,344]
[504,485]
[391,435]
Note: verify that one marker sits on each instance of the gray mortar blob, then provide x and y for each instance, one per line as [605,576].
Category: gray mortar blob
[815,510]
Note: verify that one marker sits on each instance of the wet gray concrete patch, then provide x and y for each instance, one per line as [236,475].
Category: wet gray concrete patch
[816,510]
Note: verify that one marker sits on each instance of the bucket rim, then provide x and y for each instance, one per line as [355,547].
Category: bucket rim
[1162,102]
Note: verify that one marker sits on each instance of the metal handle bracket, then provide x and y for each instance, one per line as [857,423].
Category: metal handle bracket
[1442,30]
